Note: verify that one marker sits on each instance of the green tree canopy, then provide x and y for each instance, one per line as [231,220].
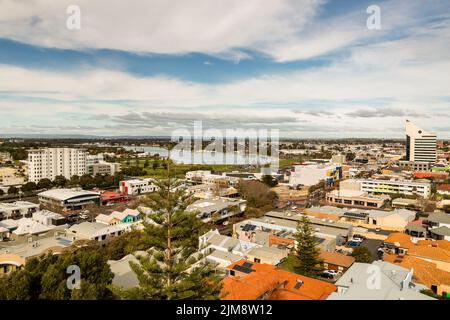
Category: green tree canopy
[60,181]
[307,253]
[44,184]
[362,254]
[171,271]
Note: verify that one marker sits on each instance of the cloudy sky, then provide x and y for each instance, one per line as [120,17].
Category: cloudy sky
[310,68]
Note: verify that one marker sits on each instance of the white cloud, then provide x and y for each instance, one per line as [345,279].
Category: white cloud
[160,26]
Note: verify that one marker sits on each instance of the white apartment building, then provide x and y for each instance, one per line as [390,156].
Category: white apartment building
[51,162]
[421,146]
[410,188]
[137,186]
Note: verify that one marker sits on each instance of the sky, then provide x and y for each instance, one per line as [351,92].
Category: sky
[309,68]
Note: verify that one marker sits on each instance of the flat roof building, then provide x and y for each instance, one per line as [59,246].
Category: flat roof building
[68,199]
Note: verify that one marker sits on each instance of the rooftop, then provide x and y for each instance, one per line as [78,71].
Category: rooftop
[269,282]
[66,194]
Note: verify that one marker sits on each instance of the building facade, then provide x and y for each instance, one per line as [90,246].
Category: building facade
[51,162]
[410,188]
[421,146]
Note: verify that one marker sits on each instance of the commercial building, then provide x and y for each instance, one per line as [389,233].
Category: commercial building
[312,174]
[350,194]
[421,146]
[51,162]
[404,187]
[68,199]
[95,164]
[279,229]
[137,186]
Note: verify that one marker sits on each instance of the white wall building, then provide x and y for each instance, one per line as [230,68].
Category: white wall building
[51,162]
[309,175]
[137,186]
[410,188]
[421,146]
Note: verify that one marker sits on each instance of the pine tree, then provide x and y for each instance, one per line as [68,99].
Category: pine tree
[307,253]
[172,270]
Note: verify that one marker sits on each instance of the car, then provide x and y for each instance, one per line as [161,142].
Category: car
[326,275]
[358,239]
[353,244]
[331,272]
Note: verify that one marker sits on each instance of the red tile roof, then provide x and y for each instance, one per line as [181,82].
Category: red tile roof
[269,282]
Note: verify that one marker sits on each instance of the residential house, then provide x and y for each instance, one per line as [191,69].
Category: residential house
[95,231]
[217,209]
[116,217]
[378,281]
[439,225]
[336,261]
[248,280]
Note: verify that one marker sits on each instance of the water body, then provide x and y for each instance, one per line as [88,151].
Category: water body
[204,157]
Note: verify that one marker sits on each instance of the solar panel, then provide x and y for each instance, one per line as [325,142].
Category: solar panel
[243,269]
[248,227]
[247,264]
[355,215]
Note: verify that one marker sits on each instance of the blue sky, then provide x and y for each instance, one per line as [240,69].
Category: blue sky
[310,68]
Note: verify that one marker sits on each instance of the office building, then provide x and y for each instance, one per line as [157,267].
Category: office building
[421,146]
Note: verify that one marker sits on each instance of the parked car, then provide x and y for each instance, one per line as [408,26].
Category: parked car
[358,239]
[331,272]
[326,275]
[353,244]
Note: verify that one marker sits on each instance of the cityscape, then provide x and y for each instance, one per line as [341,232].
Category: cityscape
[186,154]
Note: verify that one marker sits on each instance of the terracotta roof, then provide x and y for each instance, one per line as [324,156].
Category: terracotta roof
[275,283]
[435,250]
[402,239]
[338,259]
[430,252]
[443,187]
[425,272]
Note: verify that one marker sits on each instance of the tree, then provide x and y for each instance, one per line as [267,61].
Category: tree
[362,254]
[2,192]
[46,278]
[155,164]
[13,190]
[269,181]
[87,182]
[60,181]
[168,271]
[29,186]
[257,194]
[74,181]
[307,253]
[44,184]
[146,163]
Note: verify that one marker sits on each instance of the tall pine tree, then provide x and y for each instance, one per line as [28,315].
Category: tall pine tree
[307,254]
[172,270]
